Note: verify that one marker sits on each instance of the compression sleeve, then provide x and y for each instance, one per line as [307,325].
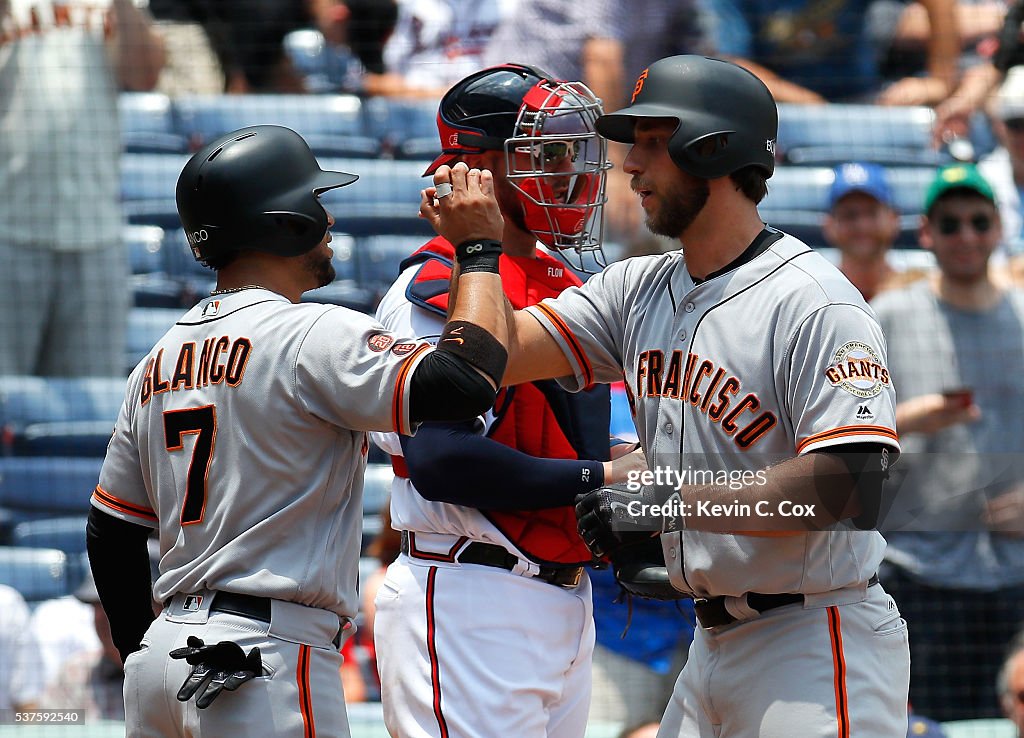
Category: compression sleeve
[119,559]
[450,463]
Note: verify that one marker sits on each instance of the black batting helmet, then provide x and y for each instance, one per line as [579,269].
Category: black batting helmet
[714,101]
[255,189]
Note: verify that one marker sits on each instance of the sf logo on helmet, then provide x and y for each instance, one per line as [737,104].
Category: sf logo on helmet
[639,86]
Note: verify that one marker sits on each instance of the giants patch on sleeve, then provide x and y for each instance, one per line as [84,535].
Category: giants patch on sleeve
[857,369]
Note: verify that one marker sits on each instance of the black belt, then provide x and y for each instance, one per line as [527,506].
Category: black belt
[711,612]
[250,606]
[490,554]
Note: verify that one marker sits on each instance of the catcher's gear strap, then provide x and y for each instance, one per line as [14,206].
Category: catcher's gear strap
[445,386]
[868,464]
[474,345]
[119,559]
[444,462]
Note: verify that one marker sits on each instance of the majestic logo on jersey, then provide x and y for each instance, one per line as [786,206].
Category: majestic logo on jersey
[864,413]
[380,342]
[857,369]
[684,381]
[401,349]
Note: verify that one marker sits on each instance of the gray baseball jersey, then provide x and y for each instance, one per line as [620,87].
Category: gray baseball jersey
[242,437]
[778,357]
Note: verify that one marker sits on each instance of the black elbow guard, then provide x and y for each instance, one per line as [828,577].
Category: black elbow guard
[475,346]
[446,387]
[868,465]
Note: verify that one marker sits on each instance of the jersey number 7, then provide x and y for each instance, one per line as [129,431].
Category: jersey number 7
[203,422]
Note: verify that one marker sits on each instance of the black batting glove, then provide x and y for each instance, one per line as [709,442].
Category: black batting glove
[215,668]
[611,517]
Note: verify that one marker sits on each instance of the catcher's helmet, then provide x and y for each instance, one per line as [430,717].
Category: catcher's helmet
[255,189]
[713,101]
[554,158]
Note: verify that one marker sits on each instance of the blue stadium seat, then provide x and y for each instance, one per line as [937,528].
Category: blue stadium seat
[47,486]
[385,199]
[378,257]
[66,534]
[162,212]
[161,291]
[150,176]
[827,135]
[147,124]
[146,326]
[38,573]
[331,124]
[43,416]
[397,183]
[145,248]
[397,121]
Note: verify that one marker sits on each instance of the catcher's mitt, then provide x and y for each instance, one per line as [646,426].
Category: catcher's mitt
[640,570]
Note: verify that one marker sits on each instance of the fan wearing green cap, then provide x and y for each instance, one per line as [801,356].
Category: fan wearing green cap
[956,352]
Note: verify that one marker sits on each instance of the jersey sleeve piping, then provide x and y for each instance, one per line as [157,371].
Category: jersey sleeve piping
[858,433]
[399,407]
[570,339]
[124,507]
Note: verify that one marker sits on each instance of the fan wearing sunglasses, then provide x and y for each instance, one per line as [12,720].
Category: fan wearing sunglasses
[956,353]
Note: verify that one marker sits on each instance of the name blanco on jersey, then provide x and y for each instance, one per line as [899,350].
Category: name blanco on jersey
[221,360]
[685,385]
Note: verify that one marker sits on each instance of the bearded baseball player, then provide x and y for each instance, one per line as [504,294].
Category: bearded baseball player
[489,539]
[767,414]
[242,441]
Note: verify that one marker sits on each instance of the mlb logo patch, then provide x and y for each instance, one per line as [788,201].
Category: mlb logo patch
[211,309]
[192,603]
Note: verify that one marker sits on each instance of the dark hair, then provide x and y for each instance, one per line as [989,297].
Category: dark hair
[219,261]
[968,193]
[751,181]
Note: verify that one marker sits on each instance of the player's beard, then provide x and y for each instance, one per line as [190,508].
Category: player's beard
[319,265]
[679,207]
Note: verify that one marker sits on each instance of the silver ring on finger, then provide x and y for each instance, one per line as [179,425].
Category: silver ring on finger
[443,190]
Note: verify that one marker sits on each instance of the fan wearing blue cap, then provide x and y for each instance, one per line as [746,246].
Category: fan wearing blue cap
[862,223]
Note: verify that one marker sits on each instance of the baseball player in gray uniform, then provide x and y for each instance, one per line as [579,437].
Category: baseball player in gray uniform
[242,440]
[767,415]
